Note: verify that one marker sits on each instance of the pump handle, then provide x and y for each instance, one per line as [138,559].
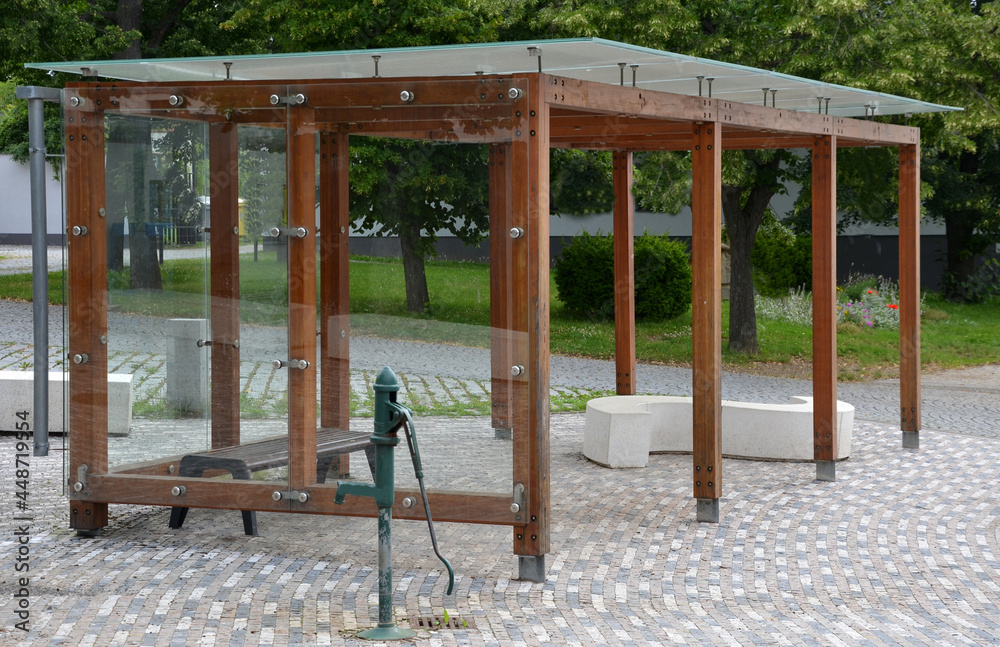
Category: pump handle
[411,441]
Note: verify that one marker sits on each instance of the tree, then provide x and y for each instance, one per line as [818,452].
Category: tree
[942,51]
[398,188]
[412,190]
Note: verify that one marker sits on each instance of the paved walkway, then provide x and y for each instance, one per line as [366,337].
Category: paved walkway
[901,550]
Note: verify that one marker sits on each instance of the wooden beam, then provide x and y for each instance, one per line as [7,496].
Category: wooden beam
[562,92]
[706,325]
[501,306]
[301,170]
[531,207]
[335,293]
[88,313]
[824,281]
[909,293]
[224,247]
[459,507]
[624,231]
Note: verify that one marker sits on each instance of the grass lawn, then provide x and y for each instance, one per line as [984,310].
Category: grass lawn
[953,335]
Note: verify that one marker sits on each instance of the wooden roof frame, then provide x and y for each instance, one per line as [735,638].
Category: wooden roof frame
[543,111]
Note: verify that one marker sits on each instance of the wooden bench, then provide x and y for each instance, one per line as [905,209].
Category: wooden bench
[243,460]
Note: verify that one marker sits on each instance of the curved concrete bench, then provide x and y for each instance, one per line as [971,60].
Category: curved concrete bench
[622,430]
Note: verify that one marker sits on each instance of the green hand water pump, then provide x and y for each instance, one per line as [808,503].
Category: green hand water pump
[390,416]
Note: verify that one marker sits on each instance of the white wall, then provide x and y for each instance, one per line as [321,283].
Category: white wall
[15,198]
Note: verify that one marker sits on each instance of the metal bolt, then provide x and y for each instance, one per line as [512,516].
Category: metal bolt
[81,358]
[276,495]
[201,343]
[175,100]
[78,487]
[409,502]
[277,363]
[102,212]
[103,339]
[236,343]
[178,490]
[343,229]
[236,230]
[299,364]
[301,232]
[275,100]
[343,333]
[303,497]
[516,232]
[170,469]
[514,93]
[297,99]
[406,96]
[80,230]
[516,370]
[515,507]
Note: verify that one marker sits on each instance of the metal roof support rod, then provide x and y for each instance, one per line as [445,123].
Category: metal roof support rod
[773,101]
[700,79]
[376,57]
[710,79]
[827,100]
[37,96]
[621,73]
[765,95]
[536,51]
[634,66]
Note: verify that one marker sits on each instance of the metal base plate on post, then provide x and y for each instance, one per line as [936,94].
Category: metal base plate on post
[503,433]
[708,510]
[911,440]
[826,471]
[531,568]
[387,633]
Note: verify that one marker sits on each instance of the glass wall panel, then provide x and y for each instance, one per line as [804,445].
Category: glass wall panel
[428,188]
[156,188]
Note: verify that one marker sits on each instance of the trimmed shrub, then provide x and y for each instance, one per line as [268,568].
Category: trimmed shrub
[781,261]
[584,275]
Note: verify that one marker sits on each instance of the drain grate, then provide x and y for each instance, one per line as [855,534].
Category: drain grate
[449,622]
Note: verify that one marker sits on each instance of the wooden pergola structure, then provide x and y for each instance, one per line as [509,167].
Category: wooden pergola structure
[587,94]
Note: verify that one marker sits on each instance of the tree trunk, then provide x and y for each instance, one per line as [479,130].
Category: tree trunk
[742,311]
[959,261]
[742,223]
[414,275]
[129,17]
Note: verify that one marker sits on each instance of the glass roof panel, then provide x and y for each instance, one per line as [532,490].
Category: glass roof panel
[591,59]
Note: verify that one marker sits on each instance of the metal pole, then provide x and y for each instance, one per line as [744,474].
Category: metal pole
[36,97]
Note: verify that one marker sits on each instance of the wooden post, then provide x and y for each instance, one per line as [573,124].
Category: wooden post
[301,135]
[335,292]
[824,280]
[706,325]
[530,275]
[224,247]
[88,314]
[624,231]
[501,308]
[909,294]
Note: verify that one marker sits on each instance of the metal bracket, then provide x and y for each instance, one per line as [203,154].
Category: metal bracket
[517,506]
[81,478]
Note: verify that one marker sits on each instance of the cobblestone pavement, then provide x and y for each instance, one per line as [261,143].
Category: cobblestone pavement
[901,550]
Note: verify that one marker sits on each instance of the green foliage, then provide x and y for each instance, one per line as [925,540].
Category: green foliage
[580,181]
[584,276]
[781,260]
[984,283]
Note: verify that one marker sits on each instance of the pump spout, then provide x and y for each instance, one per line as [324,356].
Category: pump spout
[357,489]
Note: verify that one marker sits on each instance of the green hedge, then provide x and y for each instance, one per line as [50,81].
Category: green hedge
[585,277]
[781,261]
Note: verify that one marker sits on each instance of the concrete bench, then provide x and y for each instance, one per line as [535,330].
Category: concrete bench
[621,431]
[17,393]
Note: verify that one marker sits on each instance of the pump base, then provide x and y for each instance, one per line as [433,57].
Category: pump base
[392,632]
